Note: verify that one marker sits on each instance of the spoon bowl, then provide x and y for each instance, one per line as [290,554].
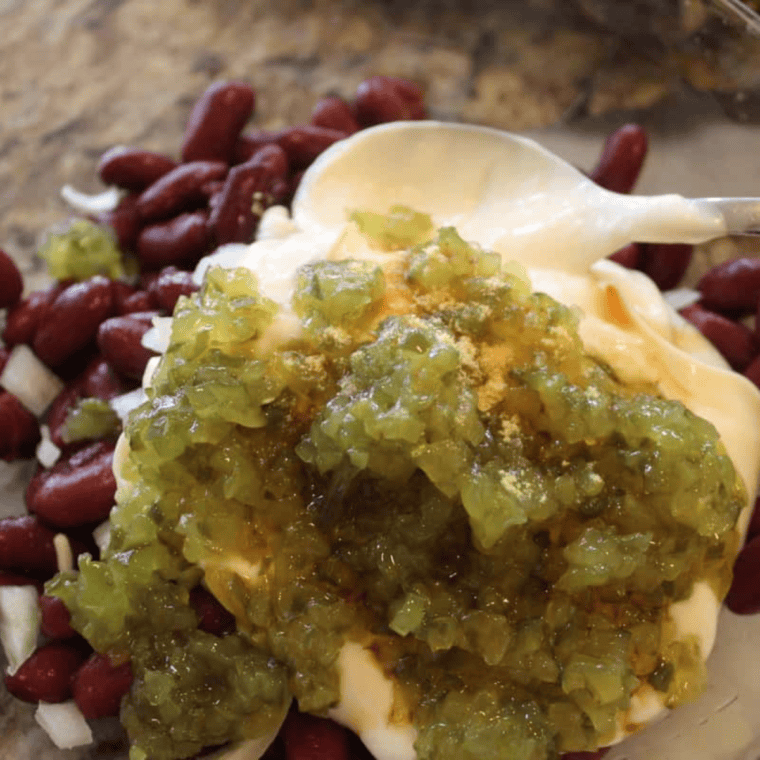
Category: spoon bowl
[537,208]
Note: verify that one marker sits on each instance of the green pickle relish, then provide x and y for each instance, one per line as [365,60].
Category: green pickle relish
[434,468]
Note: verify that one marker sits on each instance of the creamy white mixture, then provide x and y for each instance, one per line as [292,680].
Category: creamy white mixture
[463,176]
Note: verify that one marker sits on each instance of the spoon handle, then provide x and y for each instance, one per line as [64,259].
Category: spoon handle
[741,215]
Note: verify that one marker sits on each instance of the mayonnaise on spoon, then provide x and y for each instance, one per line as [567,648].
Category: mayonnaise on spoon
[522,200]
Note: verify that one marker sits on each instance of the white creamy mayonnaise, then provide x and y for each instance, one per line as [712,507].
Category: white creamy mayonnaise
[523,205]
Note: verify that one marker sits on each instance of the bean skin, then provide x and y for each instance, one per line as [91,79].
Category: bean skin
[26,546]
[46,676]
[735,342]
[99,685]
[234,218]
[133,169]
[753,370]
[13,579]
[56,619]
[733,286]
[140,300]
[333,112]
[308,737]
[78,490]
[20,429]
[622,158]
[212,616]
[169,286]
[250,143]
[216,121]
[666,263]
[628,257]
[380,99]
[178,191]
[72,320]
[100,381]
[24,318]
[11,284]
[743,597]
[182,240]
[125,221]
[303,144]
[119,341]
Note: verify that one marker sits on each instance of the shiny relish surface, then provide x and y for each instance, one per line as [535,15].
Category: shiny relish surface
[435,469]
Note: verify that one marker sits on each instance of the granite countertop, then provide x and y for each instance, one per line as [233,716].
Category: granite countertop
[78,76]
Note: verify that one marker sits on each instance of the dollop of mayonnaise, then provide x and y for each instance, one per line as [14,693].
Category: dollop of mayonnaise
[626,323]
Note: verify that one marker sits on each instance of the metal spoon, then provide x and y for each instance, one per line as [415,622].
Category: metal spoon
[536,208]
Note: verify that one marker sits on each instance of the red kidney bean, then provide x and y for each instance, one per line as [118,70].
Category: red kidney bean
[26,546]
[121,292]
[216,121]
[59,409]
[55,619]
[622,157]
[46,676]
[182,240]
[132,168]
[250,143]
[5,354]
[11,284]
[380,99]
[179,190]
[743,597]
[247,192]
[119,341]
[212,616]
[753,528]
[303,144]
[99,685]
[753,371]
[140,300]
[733,286]
[125,221]
[628,257]
[333,112]
[308,737]
[24,318]
[72,320]
[169,286]
[78,490]
[13,579]
[20,429]
[100,381]
[666,263]
[735,342]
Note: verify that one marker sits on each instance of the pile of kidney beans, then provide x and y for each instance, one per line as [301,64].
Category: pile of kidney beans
[89,333]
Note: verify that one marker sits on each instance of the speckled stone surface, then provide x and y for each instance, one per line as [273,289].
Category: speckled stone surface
[78,76]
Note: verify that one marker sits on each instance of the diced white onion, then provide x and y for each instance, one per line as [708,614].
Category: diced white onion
[63,554]
[158,337]
[125,403]
[64,724]
[91,204]
[679,298]
[29,380]
[102,535]
[19,624]
[47,452]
